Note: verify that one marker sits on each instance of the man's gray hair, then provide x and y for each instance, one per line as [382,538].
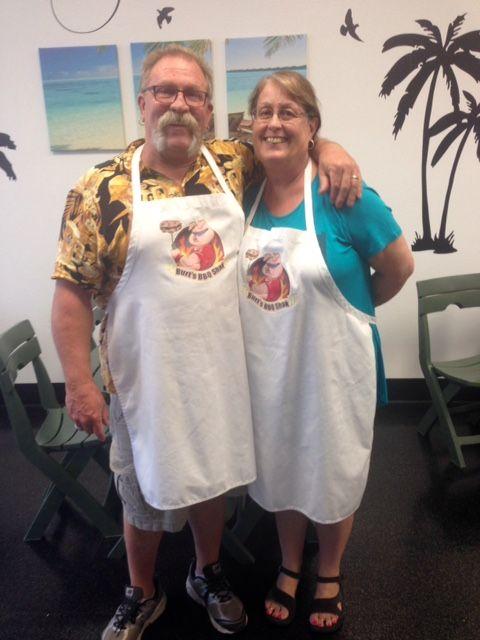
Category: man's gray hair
[181,52]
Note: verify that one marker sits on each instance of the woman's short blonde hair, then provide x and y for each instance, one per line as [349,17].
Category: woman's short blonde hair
[298,88]
[181,52]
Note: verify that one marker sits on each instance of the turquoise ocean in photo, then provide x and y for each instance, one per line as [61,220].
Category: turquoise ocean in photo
[84,114]
[241,83]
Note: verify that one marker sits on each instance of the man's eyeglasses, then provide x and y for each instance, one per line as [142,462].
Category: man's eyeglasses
[168,94]
[284,115]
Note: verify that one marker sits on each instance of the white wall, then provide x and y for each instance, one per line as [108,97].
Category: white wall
[347,76]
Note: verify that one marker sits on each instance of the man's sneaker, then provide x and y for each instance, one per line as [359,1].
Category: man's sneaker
[225,610]
[133,616]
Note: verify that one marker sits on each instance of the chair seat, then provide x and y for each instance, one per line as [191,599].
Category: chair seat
[465,371]
[59,433]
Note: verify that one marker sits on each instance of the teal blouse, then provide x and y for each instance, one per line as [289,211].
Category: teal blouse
[348,239]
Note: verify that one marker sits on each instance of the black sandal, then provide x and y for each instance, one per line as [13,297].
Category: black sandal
[329,605]
[283,599]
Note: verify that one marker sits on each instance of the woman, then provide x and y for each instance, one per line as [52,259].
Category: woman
[313,352]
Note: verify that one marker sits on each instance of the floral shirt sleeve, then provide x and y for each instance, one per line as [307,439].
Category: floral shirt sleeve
[94,232]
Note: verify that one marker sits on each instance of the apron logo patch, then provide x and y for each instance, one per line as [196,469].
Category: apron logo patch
[267,279]
[197,249]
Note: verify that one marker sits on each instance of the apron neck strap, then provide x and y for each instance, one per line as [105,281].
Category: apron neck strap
[216,171]
[307,198]
[256,202]
[136,190]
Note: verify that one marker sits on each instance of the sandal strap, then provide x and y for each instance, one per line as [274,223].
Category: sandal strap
[288,572]
[325,579]
[327,605]
[282,598]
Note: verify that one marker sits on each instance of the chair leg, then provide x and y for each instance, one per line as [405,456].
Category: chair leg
[445,422]
[101,456]
[52,500]
[429,418]
[236,548]
[76,492]
[75,462]
[118,550]
[112,502]
[94,511]
[248,515]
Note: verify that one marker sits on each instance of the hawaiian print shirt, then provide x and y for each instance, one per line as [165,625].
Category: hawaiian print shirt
[95,228]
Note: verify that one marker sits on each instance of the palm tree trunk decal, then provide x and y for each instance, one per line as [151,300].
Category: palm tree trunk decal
[426,242]
[430,54]
[461,121]
[442,241]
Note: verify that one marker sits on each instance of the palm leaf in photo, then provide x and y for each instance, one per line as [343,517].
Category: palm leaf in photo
[273,43]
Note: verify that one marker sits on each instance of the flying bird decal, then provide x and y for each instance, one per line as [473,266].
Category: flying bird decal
[163,15]
[350,29]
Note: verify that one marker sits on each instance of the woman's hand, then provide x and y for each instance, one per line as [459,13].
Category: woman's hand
[338,172]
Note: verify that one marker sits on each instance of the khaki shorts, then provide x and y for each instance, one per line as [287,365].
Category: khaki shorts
[137,512]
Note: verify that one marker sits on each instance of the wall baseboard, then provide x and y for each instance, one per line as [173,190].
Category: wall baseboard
[399,390]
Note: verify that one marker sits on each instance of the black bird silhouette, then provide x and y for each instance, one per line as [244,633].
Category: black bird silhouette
[163,15]
[349,28]
[6,141]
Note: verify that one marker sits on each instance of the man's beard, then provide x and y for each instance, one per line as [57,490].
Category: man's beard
[184,119]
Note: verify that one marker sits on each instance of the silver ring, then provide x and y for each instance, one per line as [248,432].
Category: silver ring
[354,177]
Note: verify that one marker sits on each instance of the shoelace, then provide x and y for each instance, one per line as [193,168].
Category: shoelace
[126,612]
[220,588]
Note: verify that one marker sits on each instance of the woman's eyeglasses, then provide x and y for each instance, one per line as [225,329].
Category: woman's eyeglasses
[284,115]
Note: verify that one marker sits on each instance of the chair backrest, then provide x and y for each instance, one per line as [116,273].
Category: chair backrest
[18,348]
[436,295]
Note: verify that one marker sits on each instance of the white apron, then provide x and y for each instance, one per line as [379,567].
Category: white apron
[312,374]
[175,347]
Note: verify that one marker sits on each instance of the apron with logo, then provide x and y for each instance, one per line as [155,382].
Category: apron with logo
[312,374]
[175,347]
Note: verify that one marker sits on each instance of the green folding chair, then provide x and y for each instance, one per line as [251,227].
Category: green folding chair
[446,379]
[19,347]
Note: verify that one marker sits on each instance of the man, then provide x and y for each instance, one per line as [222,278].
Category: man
[171,342]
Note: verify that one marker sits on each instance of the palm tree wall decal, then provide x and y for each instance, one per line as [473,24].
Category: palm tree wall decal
[462,122]
[430,55]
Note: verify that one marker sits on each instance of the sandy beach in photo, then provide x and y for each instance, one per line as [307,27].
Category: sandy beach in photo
[82,98]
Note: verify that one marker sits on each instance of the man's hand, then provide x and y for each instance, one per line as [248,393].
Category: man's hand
[87,408]
[339,174]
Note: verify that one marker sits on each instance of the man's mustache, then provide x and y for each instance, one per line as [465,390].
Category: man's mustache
[183,119]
